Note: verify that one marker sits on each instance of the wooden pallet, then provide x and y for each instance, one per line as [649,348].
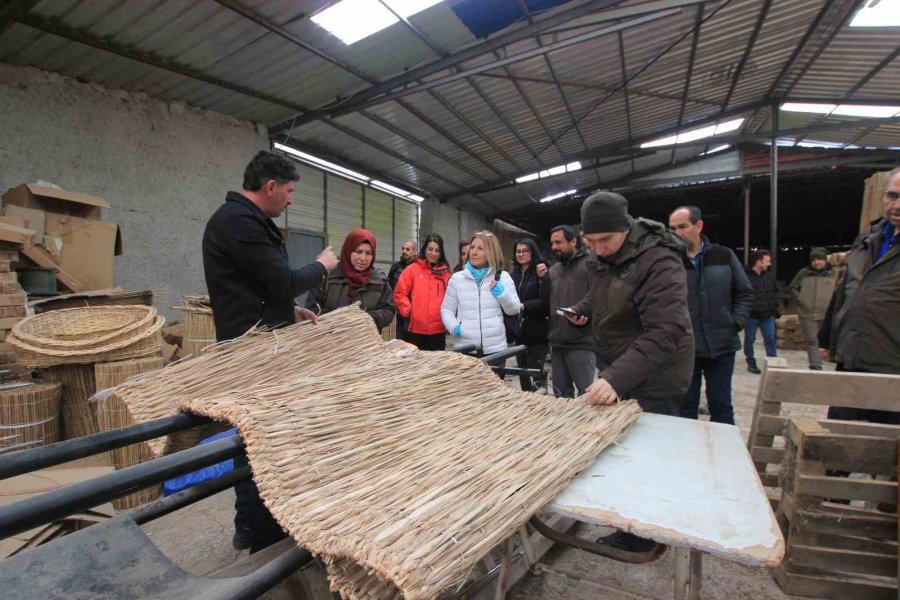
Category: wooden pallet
[779,386]
[834,550]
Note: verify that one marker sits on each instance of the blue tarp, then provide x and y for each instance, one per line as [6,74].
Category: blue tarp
[484,18]
[173,486]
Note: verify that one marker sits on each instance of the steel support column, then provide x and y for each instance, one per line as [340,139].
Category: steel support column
[773,190]
[746,220]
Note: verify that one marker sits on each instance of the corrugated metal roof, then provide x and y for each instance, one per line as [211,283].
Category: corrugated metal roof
[483,131]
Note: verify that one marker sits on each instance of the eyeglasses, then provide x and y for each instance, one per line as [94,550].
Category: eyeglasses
[523,251]
[892,195]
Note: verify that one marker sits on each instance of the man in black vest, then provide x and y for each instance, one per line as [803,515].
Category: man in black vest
[250,282]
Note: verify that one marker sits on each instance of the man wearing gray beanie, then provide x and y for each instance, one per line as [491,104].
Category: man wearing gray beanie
[639,316]
[813,287]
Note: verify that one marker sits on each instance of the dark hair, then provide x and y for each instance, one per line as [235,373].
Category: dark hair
[757,255]
[266,166]
[536,256]
[694,213]
[433,237]
[569,232]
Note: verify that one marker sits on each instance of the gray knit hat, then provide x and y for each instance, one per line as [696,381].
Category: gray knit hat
[605,212]
[819,253]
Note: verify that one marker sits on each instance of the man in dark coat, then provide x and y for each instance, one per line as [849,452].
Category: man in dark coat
[861,330]
[766,297]
[719,297]
[250,282]
[407,257]
[638,310]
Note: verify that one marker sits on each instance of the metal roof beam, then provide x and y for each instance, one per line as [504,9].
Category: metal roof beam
[82,37]
[698,22]
[13,11]
[360,99]
[625,89]
[767,4]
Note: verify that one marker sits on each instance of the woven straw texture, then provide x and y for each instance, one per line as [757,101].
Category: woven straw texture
[401,471]
[29,415]
[76,412]
[75,329]
[113,414]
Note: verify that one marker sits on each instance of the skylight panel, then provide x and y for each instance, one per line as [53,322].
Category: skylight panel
[527,178]
[804,107]
[319,162]
[693,135]
[859,110]
[878,13]
[572,166]
[716,149]
[354,20]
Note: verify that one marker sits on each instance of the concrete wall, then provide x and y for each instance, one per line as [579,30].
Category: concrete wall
[452,224]
[164,167]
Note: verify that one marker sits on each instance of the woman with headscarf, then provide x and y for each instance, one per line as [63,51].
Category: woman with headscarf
[356,280]
[534,294]
[479,295]
[420,292]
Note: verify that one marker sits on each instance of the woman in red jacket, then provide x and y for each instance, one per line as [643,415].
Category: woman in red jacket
[420,292]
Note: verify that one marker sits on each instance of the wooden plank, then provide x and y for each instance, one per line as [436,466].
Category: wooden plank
[772,456]
[43,259]
[846,488]
[863,428]
[857,454]
[688,573]
[843,561]
[848,542]
[835,388]
[828,520]
[772,425]
[769,480]
[834,587]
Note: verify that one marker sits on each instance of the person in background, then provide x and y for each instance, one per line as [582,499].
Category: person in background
[719,298]
[861,330]
[479,295]
[535,300]
[813,287]
[407,256]
[250,282]
[764,311]
[420,292]
[356,280]
[572,352]
[463,256]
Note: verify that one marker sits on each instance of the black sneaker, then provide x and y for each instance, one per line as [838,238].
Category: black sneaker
[627,542]
[754,369]
[815,367]
[243,537]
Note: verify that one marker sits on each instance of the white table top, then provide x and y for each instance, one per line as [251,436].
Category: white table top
[680,482]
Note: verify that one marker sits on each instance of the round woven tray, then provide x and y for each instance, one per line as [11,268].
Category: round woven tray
[84,328]
[146,342]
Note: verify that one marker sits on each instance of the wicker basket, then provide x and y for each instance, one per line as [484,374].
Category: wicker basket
[113,414]
[147,342]
[76,412]
[29,415]
[76,329]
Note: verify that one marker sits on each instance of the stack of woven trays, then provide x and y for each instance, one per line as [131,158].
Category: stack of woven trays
[87,335]
[67,343]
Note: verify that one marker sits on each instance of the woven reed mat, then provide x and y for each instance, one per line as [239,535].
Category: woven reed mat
[401,472]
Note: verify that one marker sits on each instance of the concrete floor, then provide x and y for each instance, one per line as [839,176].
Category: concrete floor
[198,538]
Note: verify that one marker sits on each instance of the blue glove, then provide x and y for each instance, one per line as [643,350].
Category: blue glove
[497,290]
[457,331]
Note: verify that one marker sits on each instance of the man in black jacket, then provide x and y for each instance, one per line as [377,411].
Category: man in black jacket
[764,311]
[407,257]
[719,299]
[250,282]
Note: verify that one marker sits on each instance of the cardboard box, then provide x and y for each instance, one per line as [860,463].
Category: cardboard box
[12,299]
[73,231]
[32,218]
[10,287]
[16,234]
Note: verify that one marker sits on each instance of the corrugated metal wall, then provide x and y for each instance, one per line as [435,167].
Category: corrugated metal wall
[334,206]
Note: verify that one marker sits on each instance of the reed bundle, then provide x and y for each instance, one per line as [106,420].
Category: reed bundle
[75,410]
[401,471]
[199,332]
[113,414]
[29,414]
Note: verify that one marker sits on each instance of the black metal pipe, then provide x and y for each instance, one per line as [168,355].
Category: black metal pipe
[635,558]
[163,506]
[264,578]
[26,514]
[501,356]
[466,348]
[55,454]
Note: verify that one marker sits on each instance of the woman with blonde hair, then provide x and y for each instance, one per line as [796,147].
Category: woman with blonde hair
[478,296]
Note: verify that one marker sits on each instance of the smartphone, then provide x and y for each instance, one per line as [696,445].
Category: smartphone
[562,311]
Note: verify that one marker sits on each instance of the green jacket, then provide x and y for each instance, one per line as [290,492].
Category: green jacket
[862,326]
[376,297]
[813,290]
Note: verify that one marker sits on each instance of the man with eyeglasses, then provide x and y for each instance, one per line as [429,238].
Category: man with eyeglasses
[861,330]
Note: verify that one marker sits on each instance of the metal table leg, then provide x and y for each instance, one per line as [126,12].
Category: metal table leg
[688,573]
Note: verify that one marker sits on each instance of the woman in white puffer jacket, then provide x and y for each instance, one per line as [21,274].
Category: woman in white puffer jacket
[475,301]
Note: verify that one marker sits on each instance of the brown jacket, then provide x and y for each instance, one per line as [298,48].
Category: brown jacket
[639,315]
[813,290]
[376,297]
